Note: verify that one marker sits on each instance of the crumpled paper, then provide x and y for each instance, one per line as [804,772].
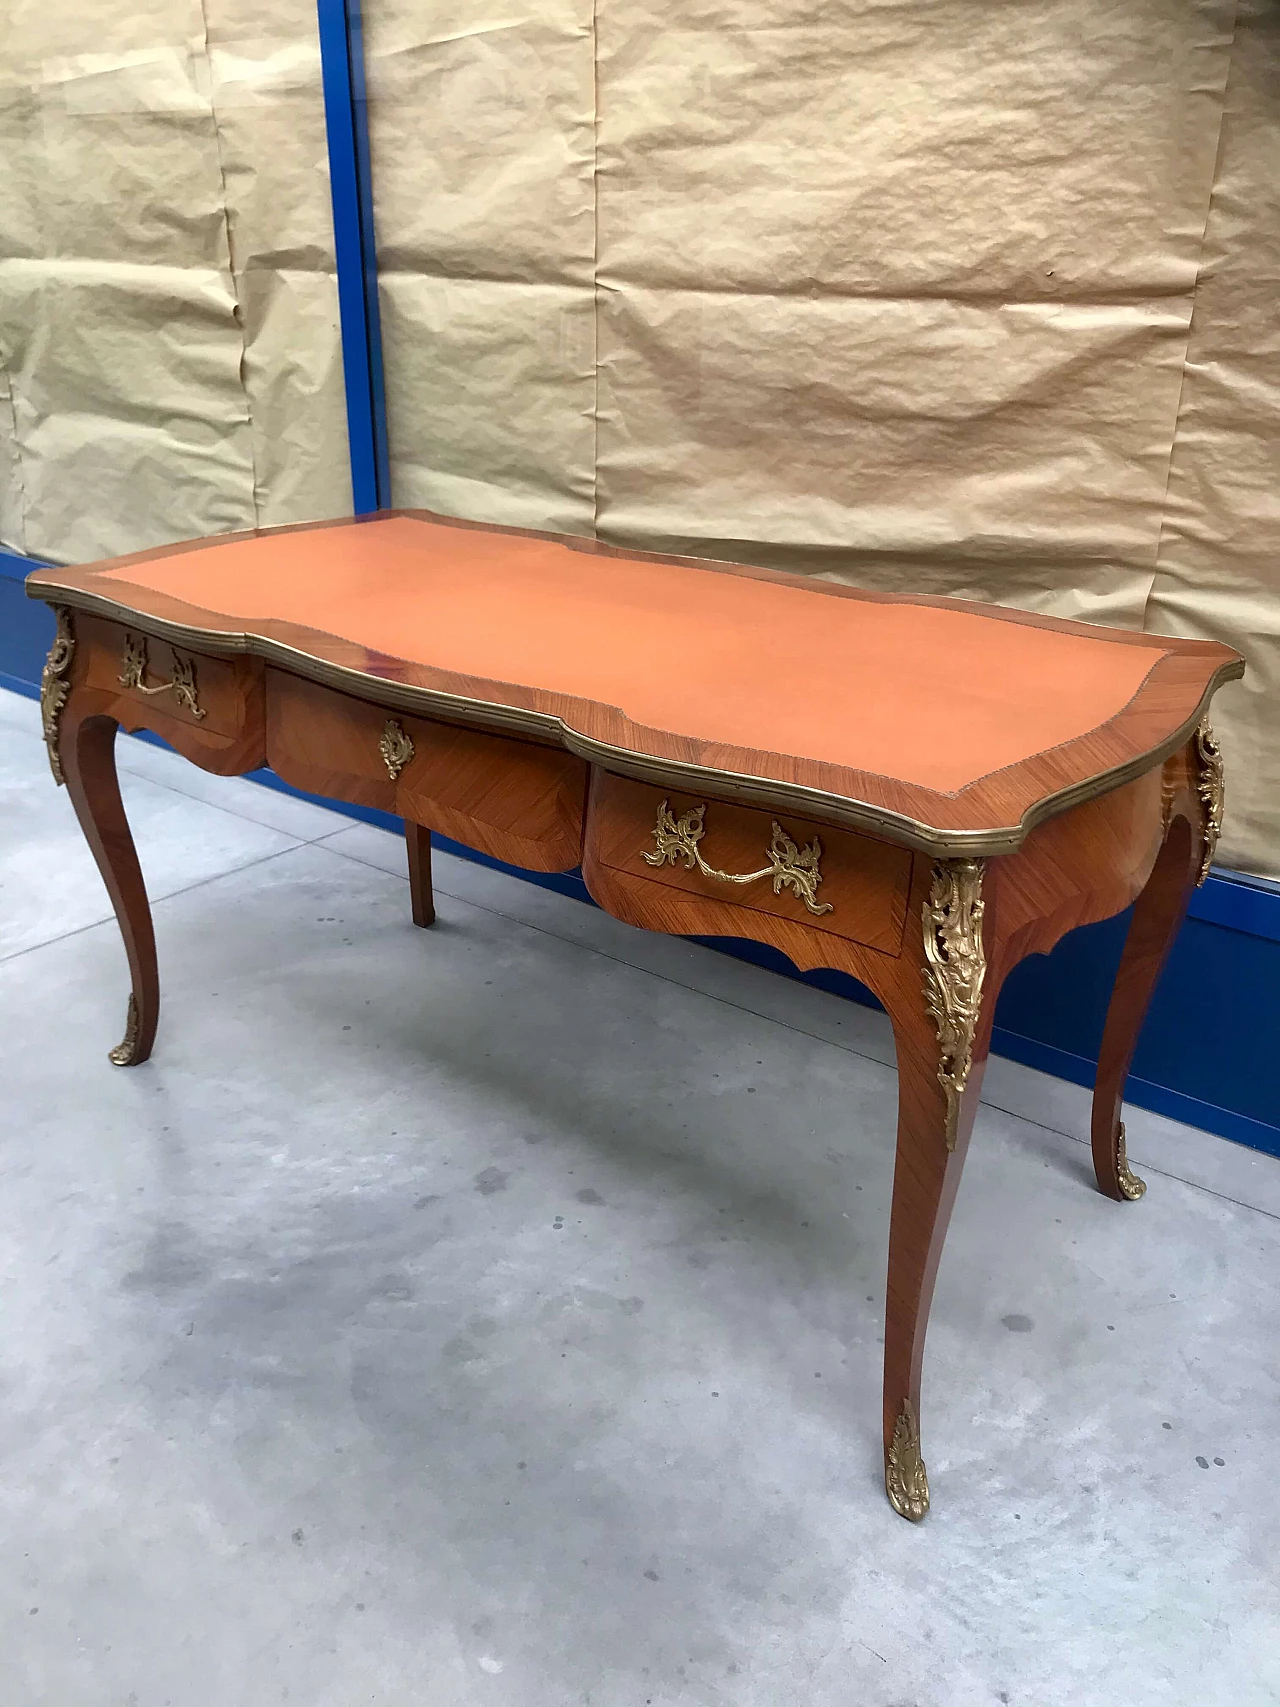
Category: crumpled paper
[940,297]
[168,305]
[906,295]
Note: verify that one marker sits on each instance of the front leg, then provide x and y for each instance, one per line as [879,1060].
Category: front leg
[83,749]
[1193,810]
[941,1015]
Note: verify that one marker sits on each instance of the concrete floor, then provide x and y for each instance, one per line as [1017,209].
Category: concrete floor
[492,1315]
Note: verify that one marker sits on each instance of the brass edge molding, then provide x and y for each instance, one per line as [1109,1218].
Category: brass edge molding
[126,1050]
[906,1481]
[841,811]
[790,867]
[54,687]
[396,748]
[1211,788]
[954,970]
[1130,1185]
[182,684]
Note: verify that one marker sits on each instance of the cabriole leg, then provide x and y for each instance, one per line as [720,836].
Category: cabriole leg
[86,749]
[942,1036]
[1157,918]
[1193,795]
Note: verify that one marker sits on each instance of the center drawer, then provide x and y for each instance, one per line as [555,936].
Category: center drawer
[514,800]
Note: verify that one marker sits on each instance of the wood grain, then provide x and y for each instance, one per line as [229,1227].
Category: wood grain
[228,690]
[421,899]
[228,741]
[864,881]
[514,800]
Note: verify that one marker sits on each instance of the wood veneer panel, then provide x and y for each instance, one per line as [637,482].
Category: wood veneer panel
[513,800]
[228,690]
[865,882]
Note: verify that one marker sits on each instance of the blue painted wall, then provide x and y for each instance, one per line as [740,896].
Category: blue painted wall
[1214,1026]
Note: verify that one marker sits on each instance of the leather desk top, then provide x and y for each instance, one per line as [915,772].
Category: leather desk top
[948,726]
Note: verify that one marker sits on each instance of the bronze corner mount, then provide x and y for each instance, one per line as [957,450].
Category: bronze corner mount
[1211,789]
[54,687]
[954,971]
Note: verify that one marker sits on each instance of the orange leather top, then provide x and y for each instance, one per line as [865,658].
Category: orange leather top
[932,695]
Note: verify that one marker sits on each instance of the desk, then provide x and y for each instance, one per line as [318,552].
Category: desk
[920,792]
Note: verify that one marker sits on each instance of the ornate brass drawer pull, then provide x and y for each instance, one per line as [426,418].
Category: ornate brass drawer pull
[133,670]
[396,748]
[790,867]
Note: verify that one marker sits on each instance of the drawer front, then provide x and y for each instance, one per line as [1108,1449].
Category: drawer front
[211,694]
[514,800]
[811,874]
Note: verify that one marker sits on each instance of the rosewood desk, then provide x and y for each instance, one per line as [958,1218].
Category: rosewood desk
[920,792]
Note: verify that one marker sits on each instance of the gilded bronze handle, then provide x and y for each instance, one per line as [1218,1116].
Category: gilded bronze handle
[182,686]
[789,866]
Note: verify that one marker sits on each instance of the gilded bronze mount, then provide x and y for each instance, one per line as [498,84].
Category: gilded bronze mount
[396,748]
[905,1479]
[955,967]
[790,867]
[1210,788]
[54,688]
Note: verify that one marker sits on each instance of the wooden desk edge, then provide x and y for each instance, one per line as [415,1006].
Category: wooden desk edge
[686,776]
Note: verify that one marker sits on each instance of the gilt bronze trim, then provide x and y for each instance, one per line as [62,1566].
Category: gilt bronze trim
[125,1052]
[54,688]
[1130,1185]
[396,748]
[789,866]
[955,966]
[1211,789]
[906,1480]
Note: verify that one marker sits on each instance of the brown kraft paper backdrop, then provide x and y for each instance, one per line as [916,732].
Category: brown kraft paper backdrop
[949,298]
[170,362]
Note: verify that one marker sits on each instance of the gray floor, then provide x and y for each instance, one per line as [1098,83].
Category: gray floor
[492,1315]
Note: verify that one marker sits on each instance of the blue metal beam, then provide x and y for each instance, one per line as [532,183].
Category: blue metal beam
[347,123]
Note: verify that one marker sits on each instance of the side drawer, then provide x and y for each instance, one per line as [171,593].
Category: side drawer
[211,694]
[514,800]
[849,885]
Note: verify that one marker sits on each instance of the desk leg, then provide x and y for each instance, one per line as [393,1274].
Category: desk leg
[1157,918]
[421,899]
[87,750]
[941,1019]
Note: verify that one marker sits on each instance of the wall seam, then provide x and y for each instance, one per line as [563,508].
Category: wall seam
[19,478]
[237,308]
[595,267]
[1191,318]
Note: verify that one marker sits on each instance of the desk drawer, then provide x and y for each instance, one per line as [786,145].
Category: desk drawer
[832,880]
[514,800]
[214,695]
